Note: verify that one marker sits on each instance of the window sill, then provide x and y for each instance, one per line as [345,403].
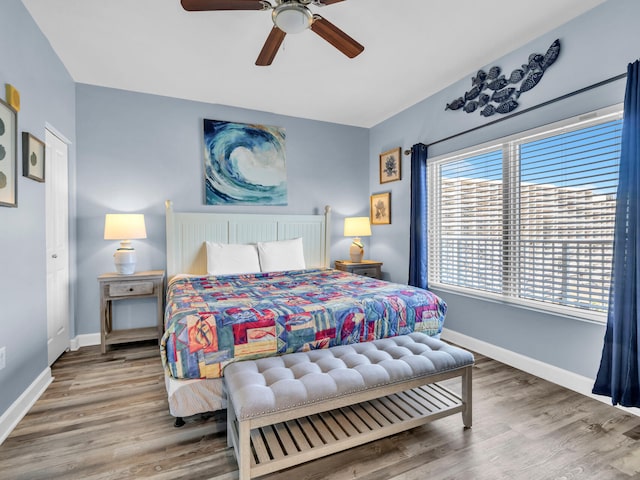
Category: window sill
[557,310]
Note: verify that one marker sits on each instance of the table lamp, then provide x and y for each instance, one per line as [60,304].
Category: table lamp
[357,227]
[124,227]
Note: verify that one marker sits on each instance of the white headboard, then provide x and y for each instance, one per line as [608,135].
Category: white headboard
[187,232]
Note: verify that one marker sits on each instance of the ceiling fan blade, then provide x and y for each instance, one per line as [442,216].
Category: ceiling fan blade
[336,37]
[324,3]
[207,5]
[270,48]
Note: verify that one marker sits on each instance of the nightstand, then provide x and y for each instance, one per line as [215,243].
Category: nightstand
[368,268]
[114,286]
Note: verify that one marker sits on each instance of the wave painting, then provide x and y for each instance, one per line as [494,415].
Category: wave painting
[244,164]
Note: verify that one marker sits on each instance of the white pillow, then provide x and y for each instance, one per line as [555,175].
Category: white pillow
[231,259]
[281,255]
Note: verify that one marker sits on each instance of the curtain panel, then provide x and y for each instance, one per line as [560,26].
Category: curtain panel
[418,262]
[618,376]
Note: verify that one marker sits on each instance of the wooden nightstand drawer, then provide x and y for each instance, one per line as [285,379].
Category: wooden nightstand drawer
[372,272]
[366,268]
[127,289]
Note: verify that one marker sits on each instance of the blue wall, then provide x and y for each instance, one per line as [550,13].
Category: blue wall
[595,46]
[136,150]
[47,92]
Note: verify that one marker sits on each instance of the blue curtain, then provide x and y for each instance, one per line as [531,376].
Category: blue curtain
[418,231]
[619,376]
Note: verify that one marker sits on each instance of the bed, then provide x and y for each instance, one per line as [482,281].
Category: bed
[212,320]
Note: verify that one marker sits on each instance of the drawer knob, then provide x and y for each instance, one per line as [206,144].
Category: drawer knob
[131,289]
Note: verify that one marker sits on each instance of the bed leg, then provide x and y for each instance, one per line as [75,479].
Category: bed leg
[467,397]
[179,422]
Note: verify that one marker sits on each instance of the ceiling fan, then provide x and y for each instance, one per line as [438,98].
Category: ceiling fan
[289,16]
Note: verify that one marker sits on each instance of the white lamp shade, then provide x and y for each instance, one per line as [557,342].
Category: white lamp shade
[124,226]
[357,227]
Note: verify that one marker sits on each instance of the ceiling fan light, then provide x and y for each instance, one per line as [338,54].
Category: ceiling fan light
[292,18]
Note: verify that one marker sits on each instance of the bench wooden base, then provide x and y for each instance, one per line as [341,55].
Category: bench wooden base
[279,440]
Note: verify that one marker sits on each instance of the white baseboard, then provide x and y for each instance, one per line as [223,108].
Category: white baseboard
[551,373]
[85,340]
[23,404]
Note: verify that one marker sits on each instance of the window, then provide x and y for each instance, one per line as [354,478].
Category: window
[530,218]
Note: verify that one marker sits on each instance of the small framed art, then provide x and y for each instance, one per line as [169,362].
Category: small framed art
[390,166]
[381,208]
[8,155]
[32,157]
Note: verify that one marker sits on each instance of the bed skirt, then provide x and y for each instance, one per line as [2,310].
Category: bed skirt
[191,397]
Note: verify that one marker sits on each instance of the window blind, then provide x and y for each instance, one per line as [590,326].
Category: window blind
[530,218]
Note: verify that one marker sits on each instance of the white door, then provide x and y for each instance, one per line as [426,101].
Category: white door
[57,213]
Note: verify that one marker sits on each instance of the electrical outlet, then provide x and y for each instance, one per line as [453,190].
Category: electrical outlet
[3,357]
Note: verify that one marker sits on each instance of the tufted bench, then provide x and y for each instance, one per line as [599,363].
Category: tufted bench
[297,407]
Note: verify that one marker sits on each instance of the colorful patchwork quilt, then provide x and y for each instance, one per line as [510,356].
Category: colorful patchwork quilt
[211,321]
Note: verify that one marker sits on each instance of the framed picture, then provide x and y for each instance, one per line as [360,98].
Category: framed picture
[381,208]
[390,166]
[8,155]
[32,157]
[244,164]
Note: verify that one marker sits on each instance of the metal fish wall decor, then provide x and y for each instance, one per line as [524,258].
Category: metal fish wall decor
[501,99]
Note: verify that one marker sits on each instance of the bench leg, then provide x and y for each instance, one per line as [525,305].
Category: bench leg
[467,397]
[244,450]
[231,418]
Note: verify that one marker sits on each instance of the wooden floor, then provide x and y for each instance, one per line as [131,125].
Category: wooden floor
[106,417]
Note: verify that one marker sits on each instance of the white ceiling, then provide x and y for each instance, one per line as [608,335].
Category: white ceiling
[413,49]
